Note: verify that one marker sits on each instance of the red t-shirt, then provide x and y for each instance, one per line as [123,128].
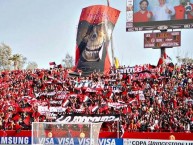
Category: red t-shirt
[141,17]
[180,12]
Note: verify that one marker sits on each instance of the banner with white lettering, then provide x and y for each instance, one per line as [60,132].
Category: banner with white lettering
[65,141]
[88,118]
[155,142]
[15,140]
[77,141]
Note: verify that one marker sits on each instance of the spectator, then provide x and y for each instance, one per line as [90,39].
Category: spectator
[184,10]
[143,15]
[163,11]
[154,102]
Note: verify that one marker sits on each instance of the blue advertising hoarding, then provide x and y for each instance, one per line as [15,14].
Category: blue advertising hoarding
[64,141]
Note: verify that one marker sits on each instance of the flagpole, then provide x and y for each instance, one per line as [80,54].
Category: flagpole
[112,49]
[113,64]
[163,49]
[108,4]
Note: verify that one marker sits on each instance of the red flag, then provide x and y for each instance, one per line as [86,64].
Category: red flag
[26,109]
[86,98]
[59,66]
[27,120]
[16,117]
[166,56]
[52,63]
[95,108]
[65,104]
[36,114]
[160,62]
[17,126]
[105,108]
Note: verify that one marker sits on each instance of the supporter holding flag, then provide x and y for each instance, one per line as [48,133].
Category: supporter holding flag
[167,59]
[18,127]
[160,62]
[86,98]
[59,66]
[52,64]
[27,120]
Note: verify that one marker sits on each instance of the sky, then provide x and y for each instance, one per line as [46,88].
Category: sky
[45,31]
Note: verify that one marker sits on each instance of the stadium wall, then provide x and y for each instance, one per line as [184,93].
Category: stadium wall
[10,135]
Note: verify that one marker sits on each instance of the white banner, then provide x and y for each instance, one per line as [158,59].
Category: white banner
[45,109]
[88,118]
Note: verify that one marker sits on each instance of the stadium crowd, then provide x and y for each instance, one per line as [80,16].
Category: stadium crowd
[147,98]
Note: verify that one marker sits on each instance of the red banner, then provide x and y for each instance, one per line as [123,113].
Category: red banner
[94,33]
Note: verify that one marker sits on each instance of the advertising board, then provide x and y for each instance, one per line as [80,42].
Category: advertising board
[65,141]
[162,39]
[144,15]
[155,142]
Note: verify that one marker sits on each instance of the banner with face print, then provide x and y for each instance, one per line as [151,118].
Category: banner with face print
[95,28]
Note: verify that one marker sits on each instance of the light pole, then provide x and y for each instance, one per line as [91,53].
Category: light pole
[108,4]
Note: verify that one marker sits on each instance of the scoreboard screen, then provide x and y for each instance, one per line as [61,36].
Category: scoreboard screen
[162,39]
[181,16]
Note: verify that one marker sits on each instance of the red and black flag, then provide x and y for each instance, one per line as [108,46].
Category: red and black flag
[95,28]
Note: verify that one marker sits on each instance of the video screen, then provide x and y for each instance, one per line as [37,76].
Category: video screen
[144,15]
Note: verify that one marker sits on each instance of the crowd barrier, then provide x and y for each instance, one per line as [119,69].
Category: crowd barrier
[85,141]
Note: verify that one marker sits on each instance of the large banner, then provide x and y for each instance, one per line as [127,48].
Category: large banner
[95,28]
[86,141]
[88,118]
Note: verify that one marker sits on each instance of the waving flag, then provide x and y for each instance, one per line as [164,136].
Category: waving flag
[86,98]
[95,108]
[116,63]
[166,56]
[52,64]
[65,104]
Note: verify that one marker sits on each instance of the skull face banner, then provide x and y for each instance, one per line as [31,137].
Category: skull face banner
[93,36]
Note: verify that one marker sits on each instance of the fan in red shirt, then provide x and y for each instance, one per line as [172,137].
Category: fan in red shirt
[143,15]
[184,10]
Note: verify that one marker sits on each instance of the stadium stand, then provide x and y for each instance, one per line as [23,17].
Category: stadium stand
[148,98]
